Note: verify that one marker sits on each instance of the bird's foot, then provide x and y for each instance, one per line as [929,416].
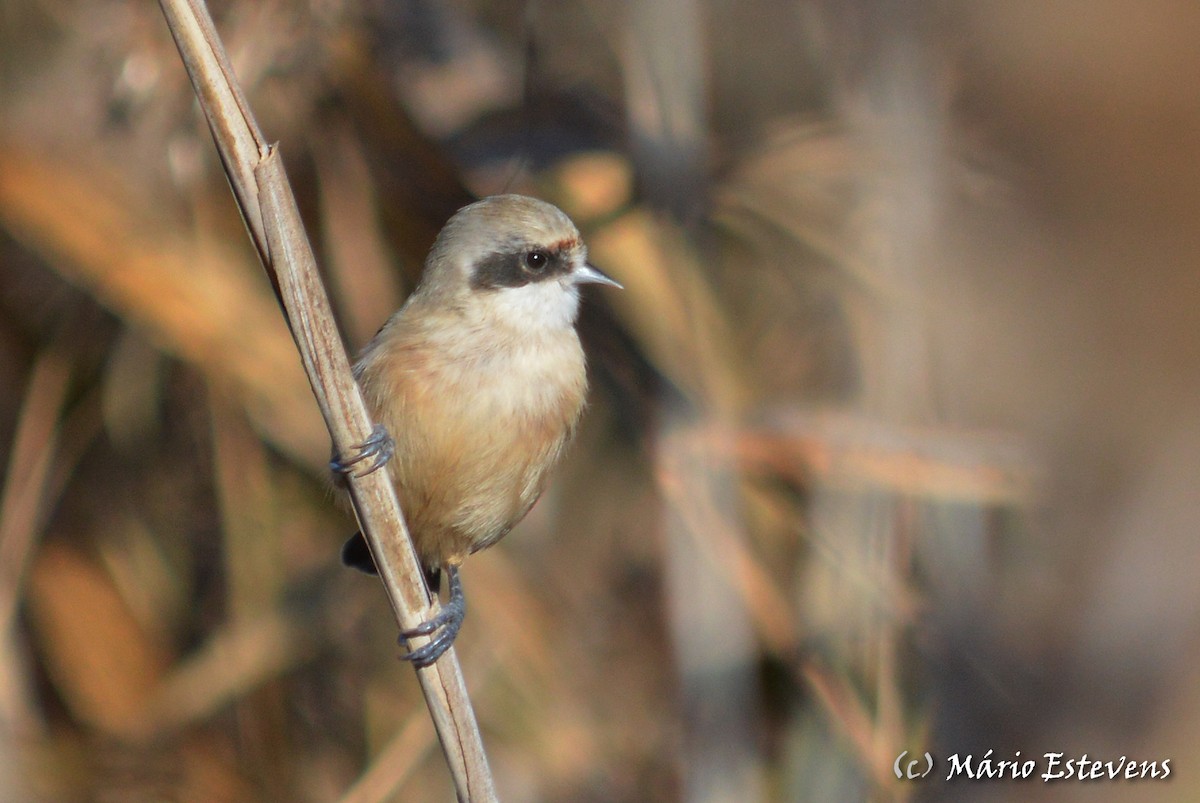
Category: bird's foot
[442,628]
[378,448]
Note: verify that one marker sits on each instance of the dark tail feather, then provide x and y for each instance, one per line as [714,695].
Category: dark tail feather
[357,555]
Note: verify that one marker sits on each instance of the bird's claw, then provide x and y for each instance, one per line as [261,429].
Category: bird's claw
[378,448]
[443,627]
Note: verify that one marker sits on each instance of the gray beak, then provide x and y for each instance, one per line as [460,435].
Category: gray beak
[590,274]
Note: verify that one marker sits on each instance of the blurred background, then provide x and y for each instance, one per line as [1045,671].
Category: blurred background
[893,436]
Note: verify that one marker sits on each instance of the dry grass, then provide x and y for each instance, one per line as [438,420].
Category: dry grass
[890,444]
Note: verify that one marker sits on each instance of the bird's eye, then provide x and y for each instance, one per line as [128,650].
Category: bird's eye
[537,261]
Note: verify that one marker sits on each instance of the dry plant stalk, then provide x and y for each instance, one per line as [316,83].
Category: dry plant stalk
[35,446]
[264,196]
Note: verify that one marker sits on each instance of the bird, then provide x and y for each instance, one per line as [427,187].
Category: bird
[476,386]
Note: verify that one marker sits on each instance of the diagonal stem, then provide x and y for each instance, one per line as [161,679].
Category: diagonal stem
[255,173]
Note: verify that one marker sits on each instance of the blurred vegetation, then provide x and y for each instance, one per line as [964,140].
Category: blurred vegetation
[893,435]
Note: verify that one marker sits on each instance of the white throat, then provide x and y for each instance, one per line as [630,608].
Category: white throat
[540,306]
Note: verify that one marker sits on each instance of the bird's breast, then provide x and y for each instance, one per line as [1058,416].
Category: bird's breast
[477,430]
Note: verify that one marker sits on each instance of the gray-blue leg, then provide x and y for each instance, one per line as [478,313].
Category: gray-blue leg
[378,448]
[443,627]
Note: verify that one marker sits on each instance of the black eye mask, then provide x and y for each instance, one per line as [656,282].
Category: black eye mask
[521,265]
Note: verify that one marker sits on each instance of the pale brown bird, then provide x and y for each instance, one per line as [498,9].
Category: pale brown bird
[480,380]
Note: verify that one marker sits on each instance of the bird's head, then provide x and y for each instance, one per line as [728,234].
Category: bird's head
[513,259]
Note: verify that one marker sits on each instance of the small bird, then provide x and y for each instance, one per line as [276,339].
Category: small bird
[476,386]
